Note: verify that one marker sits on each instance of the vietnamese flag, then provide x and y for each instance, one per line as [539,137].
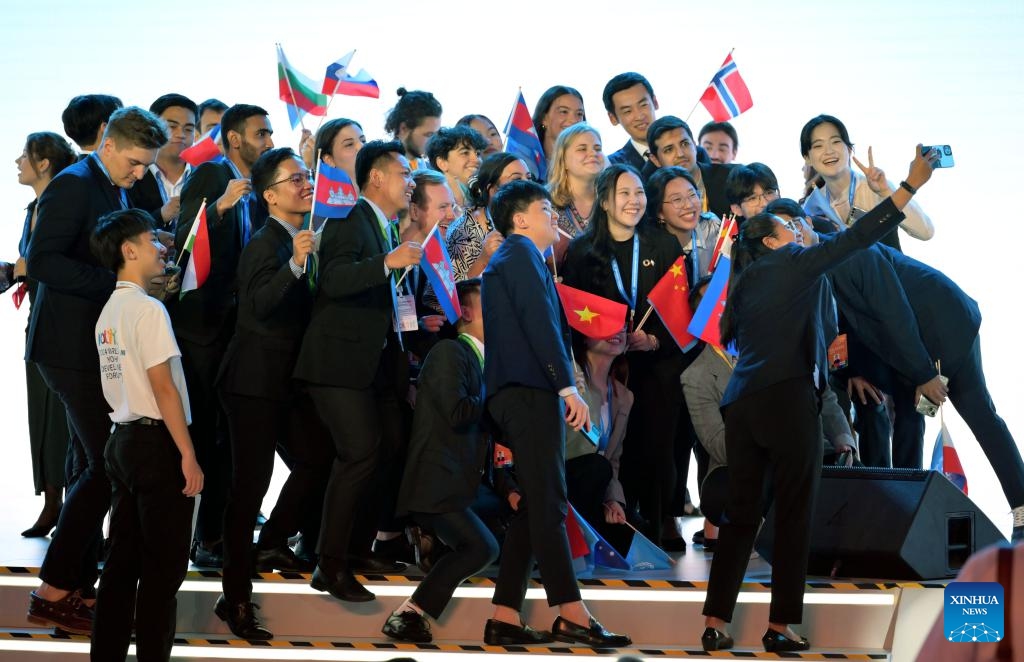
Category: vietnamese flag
[670,299]
[706,318]
[205,149]
[198,246]
[591,315]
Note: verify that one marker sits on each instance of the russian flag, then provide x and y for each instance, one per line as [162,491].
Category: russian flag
[334,196]
[727,96]
[946,461]
[198,246]
[335,72]
[205,149]
[705,320]
[521,139]
[360,85]
[438,268]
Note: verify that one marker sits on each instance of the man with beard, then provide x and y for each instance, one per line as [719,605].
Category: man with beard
[413,121]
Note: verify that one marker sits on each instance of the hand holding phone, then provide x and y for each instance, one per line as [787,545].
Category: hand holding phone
[945,155]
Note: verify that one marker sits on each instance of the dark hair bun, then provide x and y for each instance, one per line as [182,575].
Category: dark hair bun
[402,92]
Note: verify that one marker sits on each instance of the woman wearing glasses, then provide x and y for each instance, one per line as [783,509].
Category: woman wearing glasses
[777,294]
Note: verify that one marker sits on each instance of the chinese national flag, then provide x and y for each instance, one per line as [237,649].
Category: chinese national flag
[592,315]
[670,299]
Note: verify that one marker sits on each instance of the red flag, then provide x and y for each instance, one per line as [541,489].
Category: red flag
[669,298]
[723,246]
[591,315]
[727,96]
[18,295]
[577,543]
[205,149]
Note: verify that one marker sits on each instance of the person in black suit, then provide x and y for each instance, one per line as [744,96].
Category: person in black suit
[671,143]
[531,387]
[85,120]
[204,319]
[447,454]
[263,407]
[73,287]
[159,192]
[352,359]
[630,101]
[775,313]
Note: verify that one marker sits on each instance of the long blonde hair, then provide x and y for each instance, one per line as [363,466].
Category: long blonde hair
[558,173]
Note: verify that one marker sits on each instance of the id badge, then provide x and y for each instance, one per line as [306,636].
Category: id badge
[838,354]
[502,456]
[405,313]
[593,435]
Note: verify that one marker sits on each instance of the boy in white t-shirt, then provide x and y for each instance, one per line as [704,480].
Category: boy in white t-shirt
[149,456]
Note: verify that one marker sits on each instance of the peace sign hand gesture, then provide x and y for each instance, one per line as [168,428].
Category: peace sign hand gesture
[875,176]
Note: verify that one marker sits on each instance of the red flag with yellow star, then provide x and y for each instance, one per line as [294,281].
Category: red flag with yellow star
[591,315]
[670,299]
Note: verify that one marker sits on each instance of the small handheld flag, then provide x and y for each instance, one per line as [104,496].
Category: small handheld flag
[335,72]
[590,314]
[670,299]
[522,140]
[705,320]
[198,246]
[360,85]
[723,245]
[946,461]
[205,149]
[335,195]
[298,91]
[438,268]
[727,95]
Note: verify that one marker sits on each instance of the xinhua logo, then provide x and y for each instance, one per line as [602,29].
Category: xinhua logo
[973,612]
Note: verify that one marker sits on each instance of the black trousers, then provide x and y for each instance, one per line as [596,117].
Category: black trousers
[780,427]
[150,531]
[71,559]
[209,433]
[473,549]
[365,425]
[969,394]
[258,426]
[531,424]
[47,431]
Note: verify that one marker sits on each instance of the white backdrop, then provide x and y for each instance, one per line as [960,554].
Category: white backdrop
[933,72]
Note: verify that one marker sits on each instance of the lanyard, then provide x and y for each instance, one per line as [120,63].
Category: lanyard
[722,355]
[469,340]
[694,254]
[606,430]
[243,216]
[121,191]
[631,300]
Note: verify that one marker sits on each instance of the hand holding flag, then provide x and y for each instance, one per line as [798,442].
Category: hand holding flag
[670,299]
[522,140]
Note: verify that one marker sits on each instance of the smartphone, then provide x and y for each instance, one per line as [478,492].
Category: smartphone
[945,154]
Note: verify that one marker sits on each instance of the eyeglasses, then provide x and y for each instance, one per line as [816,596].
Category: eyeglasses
[297,180]
[680,201]
[766,196]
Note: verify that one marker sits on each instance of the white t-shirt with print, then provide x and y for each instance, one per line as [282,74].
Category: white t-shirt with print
[133,334]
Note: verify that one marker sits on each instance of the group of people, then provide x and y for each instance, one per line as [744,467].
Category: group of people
[472,436]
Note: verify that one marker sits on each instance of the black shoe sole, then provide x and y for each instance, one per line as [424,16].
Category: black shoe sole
[46,622]
[324,588]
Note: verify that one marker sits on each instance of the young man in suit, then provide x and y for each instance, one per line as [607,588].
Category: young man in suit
[204,319]
[85,120]
[352,359]
[630,101]
[73,287]
[720,141]
[264,409]
[671,143]
[159,192]
[447,454]
[531,388]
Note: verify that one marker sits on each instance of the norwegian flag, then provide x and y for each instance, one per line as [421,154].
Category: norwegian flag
[727,95]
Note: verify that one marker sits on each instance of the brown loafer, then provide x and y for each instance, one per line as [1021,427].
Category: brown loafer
[68,614]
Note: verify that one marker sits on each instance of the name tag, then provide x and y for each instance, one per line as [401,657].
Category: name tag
[405,313]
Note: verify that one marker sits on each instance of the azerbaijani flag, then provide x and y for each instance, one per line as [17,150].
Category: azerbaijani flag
[334,196]
[335,72]
[705,322]
[198,246]
[670,299]
[590,314]
[205,149]
[360,85]
[521,139]
[298,91]
[946,461]
[438,268]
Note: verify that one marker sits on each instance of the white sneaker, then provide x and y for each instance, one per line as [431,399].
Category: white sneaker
[1018,524]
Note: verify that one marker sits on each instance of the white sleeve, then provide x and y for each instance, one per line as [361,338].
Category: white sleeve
[155,342]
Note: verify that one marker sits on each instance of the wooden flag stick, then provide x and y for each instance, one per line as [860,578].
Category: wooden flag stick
[644,319]
[705,87]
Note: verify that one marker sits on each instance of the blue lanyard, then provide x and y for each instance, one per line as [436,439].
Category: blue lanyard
[694,255]
[618,274]
[606,430]
[243,215]
[124,194]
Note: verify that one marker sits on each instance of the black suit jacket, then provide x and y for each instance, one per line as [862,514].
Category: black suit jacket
[628,156]
[73,287]
[447,451]
[208,314]
[145,195]
[273,312]
[353,311]
[714,176]
[527,336]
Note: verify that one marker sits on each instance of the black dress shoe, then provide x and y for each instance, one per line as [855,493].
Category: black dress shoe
[715,640]
[280,558]
[68,614]
[40,529]
[242,619]
[305,551]
[397,549]
[342,585]
[500,633]
[777,642]
[375,565]
[408,626]
[205,557]
[594,636]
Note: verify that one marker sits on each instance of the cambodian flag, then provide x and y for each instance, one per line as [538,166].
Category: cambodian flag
[705,320]
[205,149]
[522,140]
[438,268]
[727,96]
[335,72]
[334,196]
[360,85]
[946,461]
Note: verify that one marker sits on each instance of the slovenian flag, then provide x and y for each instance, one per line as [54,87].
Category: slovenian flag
[198,246]
[727,95]
[522,140]
[205,149]
[334,196]
[706,318]
[335,72]
[946,461]
[298,91]
[670,299]
[590,314]
[360,85]
[438,268]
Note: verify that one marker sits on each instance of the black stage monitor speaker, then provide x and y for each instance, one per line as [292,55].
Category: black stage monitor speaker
[893,524]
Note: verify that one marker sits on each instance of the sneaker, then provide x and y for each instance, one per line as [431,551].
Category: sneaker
[1018,524]
[68,614]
